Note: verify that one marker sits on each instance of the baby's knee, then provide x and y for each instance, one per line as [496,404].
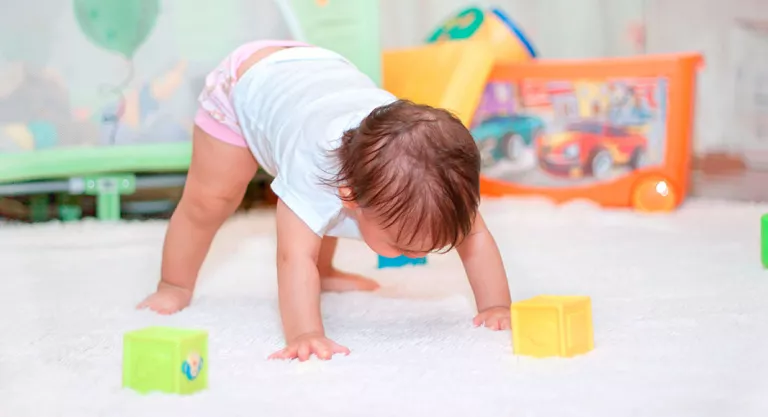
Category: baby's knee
[202,209]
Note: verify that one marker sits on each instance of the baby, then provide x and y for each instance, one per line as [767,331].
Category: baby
[349,160]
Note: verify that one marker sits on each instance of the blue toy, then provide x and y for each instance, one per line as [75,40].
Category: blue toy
[400,261]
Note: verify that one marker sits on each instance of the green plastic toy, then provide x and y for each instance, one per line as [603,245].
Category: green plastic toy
[69,207]
[38,207]
[108,189]
[166,360]
[100,164]
[764,240]
[348,27]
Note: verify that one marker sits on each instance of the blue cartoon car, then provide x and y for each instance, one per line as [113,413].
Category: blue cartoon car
[506,136]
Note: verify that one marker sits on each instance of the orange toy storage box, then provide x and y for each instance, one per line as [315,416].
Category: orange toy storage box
[615,131]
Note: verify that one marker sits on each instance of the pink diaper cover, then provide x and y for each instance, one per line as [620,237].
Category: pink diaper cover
[216,115]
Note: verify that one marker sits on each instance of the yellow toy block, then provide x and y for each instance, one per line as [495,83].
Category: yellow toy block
[547,326]
[448,75]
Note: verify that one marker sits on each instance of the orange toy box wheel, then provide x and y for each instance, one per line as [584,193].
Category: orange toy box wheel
[655,194]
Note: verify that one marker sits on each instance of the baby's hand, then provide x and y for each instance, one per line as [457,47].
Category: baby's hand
[304,346]
[168,299]
[494,318]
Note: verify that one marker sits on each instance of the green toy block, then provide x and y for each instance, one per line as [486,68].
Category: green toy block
[165,359]
[764,240]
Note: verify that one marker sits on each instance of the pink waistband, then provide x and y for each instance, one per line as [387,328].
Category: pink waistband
[244,51]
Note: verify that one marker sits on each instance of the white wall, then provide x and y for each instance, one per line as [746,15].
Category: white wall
[732,110]
[732,103]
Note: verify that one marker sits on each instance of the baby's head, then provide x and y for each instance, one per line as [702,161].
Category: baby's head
[409,174]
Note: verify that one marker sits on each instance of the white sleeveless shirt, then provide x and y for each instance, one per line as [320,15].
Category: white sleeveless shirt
[293,107]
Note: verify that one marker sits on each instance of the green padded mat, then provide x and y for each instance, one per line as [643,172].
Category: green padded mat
[67,162]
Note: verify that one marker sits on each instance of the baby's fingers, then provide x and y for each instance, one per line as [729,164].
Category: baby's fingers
[322,349]
[325,349]
[149,302]
[492,323]
[152,305]
[337,348]
[505,323]
[498,323]
[289,352]
[305,351]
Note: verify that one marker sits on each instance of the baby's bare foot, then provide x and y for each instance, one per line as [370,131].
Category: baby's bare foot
[340,281]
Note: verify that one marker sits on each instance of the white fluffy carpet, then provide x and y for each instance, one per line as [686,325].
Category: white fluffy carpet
[680,313]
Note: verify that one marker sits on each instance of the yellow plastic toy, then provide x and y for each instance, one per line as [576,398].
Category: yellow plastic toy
[547,326]
[489,25]
[452,70]
[450,75]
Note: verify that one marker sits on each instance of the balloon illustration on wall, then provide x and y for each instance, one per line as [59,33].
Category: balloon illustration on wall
[119,26]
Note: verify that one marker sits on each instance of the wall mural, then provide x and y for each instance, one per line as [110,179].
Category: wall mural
[119,26]
[113,72]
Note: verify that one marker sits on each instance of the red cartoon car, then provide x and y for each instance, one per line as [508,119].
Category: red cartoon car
[591,148]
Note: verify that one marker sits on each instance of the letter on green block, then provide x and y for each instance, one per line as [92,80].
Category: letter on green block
[165,359]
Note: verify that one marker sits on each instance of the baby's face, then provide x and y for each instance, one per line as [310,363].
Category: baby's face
[383,241]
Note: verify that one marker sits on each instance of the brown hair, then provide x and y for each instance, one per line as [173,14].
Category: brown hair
[415,166]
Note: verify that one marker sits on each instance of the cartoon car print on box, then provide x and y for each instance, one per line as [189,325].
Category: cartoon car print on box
[591,148]
[506,137]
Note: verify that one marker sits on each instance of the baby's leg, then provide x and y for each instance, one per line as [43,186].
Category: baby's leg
[333,280]
[218,177]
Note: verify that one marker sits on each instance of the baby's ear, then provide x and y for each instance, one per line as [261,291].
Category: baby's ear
[345,193]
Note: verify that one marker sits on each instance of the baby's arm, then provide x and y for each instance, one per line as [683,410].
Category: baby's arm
[487,277]
[298,283]
[218,177]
